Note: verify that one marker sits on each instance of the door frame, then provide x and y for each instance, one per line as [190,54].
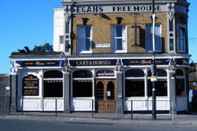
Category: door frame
[105,102]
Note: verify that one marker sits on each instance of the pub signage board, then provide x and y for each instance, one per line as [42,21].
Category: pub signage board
[41,63]
[145,61]
[104,73]
[101,62]
[127,62]
[98,8]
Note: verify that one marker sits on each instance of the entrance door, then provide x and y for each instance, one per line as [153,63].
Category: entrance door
[105,96]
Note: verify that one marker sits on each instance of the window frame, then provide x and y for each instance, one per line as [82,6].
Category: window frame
[53,79]
[159,78]
[151,32]
[31,96]
[123,39]
[179,40]
[91,79]
[90,38]
[135,78]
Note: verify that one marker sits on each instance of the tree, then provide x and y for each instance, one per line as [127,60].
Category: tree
[43,48]
[37,49]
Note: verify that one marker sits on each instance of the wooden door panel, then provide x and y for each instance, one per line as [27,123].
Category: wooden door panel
[107,104]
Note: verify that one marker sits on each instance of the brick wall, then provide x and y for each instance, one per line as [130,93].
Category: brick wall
[102,29]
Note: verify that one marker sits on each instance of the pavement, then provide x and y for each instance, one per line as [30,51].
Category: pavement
[105,118]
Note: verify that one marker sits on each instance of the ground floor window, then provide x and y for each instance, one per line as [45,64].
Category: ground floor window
[134,88]
[134,83]
[82,88]
[160,86]
[30,86]
[53,83]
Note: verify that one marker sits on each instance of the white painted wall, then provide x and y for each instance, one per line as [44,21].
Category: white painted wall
[82,104]
[140,104]
[39,104]
[58,29]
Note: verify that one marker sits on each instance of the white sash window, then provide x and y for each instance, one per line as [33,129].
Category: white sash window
[119,39]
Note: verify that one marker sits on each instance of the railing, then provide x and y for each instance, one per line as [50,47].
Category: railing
[133,109]
[168,114]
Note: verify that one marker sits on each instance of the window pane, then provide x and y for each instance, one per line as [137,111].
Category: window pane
[148,38]
[161,72]
[171,44]
[158,38]
[61,39]
[110,91]
[53,88]
[181,40]
[179,72]
[180,87]
[53,74]
[135,73]
[99,91]
[171,25]
[117,37]
[82,74]
[82,88]
[160,86]
[119,29]
[118,44]
[134,88]
[83,38]
[87,30]
[87,45]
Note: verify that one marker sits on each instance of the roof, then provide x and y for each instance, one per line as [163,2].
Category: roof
[121,1]
[18,55]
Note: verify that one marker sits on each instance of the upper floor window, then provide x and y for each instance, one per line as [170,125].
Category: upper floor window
[61,39]
[181,40]
[158,38]
[119,38]
[84,39]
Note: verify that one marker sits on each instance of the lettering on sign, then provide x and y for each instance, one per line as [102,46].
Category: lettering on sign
[93,62]
[76,9]
[40,63]
[104,73]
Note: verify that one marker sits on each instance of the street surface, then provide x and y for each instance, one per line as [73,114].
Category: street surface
[55,124]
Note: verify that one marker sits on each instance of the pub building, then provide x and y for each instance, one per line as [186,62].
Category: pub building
[102,59]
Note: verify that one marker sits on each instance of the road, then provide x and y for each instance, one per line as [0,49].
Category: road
[53,125]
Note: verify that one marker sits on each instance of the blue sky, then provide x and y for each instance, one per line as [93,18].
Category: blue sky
[30,23]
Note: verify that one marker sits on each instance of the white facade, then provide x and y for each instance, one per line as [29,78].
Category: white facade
[59,30]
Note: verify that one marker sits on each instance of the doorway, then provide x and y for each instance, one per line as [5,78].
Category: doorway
[105,96]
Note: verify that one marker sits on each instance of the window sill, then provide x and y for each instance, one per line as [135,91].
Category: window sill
[85,52]
[32,97]
[120,51]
